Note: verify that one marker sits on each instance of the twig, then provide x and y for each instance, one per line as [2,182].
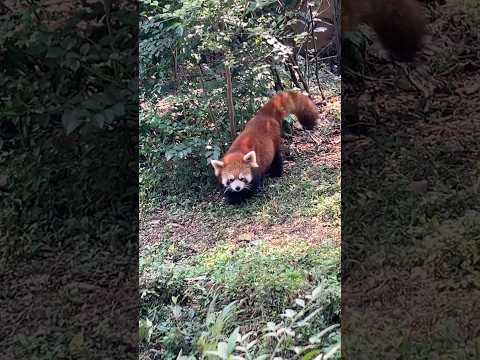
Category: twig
[314,139]
[175,68]
[337,22]
[328,57]
[276,79]
[292,75]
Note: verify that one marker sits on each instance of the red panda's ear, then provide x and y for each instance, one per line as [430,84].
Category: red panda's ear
[251,158]
[217,166]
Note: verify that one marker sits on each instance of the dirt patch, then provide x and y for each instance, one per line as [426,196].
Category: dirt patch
[331,154]
[191,231]
[323,144]
[194,235]
[311,230]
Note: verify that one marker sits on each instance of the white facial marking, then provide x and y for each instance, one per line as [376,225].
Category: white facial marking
[237,185]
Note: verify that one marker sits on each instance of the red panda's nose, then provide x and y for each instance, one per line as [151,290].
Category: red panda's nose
[237,188]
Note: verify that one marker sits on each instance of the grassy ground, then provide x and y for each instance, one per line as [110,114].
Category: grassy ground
[266,258]
[411,235]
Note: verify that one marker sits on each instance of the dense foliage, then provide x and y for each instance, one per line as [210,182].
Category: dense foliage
[185,49]
[79,74]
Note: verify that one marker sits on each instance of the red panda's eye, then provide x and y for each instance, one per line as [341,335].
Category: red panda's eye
[241,178]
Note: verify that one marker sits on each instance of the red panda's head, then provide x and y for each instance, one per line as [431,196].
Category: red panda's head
[235,170]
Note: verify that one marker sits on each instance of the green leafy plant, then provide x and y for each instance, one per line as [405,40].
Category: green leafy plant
[298,333]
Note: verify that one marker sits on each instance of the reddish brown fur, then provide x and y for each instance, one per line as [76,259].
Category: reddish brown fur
[399,24]
[262,133]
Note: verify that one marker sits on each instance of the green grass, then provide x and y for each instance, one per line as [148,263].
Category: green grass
[299,194]
[267,275]
[303,191]
[255,271]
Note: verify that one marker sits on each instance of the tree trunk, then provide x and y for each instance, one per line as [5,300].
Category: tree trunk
[231,110]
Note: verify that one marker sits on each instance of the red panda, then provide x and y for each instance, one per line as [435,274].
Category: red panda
[400,24]
[255,152]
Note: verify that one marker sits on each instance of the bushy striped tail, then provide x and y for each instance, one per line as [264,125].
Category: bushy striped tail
[291,102]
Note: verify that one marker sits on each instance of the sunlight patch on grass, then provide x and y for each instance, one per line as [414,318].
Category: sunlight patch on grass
[261,270]
[329,208]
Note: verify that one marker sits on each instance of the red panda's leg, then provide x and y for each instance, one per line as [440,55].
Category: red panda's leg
[276,168]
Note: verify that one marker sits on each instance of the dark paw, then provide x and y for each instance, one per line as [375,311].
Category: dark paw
[235,198]
[276,169]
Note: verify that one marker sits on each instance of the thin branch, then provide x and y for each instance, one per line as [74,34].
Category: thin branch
[300,75]
[338,25]
[315,54]
[276,79]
